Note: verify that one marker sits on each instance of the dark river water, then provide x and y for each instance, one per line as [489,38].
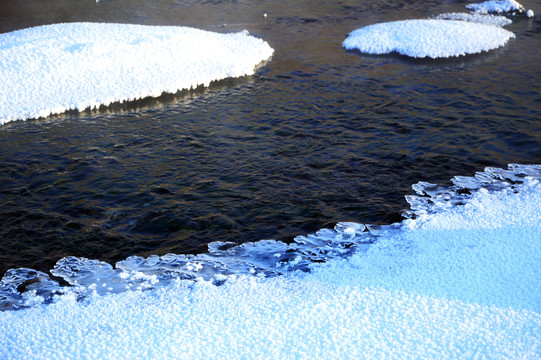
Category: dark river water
[319,135]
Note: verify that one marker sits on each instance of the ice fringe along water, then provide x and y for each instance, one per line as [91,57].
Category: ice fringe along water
[497,20]
[51,69]
[21,288]
[461,283]
[444,36]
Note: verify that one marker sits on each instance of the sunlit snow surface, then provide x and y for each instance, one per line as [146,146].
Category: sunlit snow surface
[53,68]
[460,278]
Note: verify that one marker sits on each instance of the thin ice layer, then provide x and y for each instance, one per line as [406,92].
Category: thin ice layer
[480,18]
[427,38]
[459,282]
[54,68]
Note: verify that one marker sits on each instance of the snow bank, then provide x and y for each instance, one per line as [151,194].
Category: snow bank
[460,279]
[430,38]
[53,68]
[274,319]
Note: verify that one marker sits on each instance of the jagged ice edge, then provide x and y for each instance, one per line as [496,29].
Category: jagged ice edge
[23,287]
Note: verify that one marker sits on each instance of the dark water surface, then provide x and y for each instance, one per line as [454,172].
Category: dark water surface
[317,136]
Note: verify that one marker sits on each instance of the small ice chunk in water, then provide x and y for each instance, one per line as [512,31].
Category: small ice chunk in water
[503,6]
[348,231]
[26,287]
[81,271]
[480,18]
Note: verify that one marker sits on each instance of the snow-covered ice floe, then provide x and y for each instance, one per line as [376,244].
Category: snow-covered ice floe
[54,68]
[459,278]
[444,36]
[430,38]
[497,6]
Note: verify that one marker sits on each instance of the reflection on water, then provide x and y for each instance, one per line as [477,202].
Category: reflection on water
[317,136]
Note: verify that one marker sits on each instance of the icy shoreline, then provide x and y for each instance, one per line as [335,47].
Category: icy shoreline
[459,279]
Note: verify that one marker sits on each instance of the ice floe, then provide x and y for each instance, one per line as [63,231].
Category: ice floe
[460,278]
[497,6]
[427,38]
[54,68]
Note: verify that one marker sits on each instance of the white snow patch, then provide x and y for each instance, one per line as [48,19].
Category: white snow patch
[427,38]
[54,68]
